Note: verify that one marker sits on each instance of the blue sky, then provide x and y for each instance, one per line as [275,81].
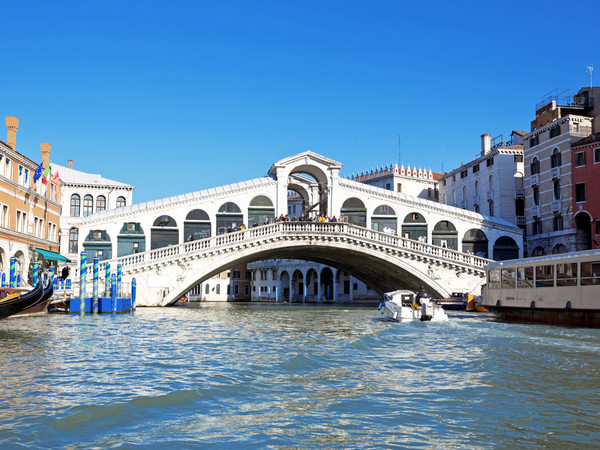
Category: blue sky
[176,96]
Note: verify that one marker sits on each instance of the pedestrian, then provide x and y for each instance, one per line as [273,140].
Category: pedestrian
[65,273]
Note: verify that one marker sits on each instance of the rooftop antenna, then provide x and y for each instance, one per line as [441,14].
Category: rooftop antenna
[442,159]
[590,69]
[399,150]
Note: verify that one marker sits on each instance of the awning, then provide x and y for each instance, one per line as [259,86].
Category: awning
[52,256]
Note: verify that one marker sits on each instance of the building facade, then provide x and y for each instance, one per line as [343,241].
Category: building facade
[29,211]
[585,160]
[491,184]
[561,120]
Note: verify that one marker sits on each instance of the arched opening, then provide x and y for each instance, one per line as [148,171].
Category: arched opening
[164,232]
[88,205]
[3,260]
[297,202]
[297,286]
[196,225]
[75,205]
[229,217]
[444,234]
[384,219]
[559,248]
[100,203]
[475,241]
[583,231]
[312,285]
[327,283]
[73,240]
[20,266]
[520,207]
[260,210]
[314,181]
[284,282]
[121,202]
[556,159]
[131,239]
[535,166]
[98,243]
[538,251]
[353,211]
[415,227]
[505,248]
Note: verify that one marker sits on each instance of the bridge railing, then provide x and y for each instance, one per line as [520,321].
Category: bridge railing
[280,229]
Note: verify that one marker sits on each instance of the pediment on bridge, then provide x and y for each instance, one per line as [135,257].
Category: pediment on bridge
[305,159]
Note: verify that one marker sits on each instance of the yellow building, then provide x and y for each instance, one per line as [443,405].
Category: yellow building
[29,211]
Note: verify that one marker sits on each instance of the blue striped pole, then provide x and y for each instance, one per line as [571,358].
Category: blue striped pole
[52,274]
[119,281]
[113,293]
[133,293]
[3,279]
[82,274]
[107,280]
[13,271]
[96,272]
[18,280]
[36,272]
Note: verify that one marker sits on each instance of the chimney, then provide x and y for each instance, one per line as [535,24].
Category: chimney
[45,153]
[12,123]
[486,142]
[70,164]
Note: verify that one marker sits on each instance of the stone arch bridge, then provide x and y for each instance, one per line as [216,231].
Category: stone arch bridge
[385,261]
[173,243]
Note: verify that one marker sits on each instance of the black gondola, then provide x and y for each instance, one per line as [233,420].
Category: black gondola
[12,306]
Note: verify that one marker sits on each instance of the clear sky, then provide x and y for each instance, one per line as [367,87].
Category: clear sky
[177,96]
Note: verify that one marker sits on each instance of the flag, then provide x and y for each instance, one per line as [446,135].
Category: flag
[45,174]
[38,172]
[56,178]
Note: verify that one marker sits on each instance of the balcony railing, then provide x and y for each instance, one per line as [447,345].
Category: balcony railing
[519,192]
[476,200]
[520,220]
[490,195]
[556,206]
[535,211]
[555,172]
[534,179]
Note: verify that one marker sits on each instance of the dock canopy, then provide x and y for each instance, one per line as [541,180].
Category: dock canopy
[52,256]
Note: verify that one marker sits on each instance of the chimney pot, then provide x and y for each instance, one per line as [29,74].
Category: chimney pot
[70,164]
[12,123]
[486,144]
[45,153]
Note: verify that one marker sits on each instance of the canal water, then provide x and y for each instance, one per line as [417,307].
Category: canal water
[292,376]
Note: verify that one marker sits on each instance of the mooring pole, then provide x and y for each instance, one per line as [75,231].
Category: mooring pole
[113,293]
[107,280]
[13,271]
[133,293]
[96,272]
[36,272]
[82,275]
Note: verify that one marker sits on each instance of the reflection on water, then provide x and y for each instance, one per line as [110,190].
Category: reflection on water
[283,376]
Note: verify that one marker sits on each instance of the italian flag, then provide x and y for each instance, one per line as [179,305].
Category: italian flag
[45,174]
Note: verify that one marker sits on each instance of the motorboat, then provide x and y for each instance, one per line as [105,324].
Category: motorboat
[456,301]
[401,305]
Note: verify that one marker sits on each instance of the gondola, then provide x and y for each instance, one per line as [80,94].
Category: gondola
[13,304]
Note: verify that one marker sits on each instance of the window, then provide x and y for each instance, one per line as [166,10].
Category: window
[101,203]
[491,205]
[558,222]
[494,279]
[75,205]
[463,174]
[557,190]
[536,227]
[534,140]
[388,186]
[489,162]
[88,205]
[580,192]
[525,277]
[476,168]
[566,274]
[535,166]
[536,195]
[590,273]
[556,159]
[518,158]
[596,155]
[544,276]
[507,278]
[121,202]
[579,159]
[236,274]
[73,238]
[554,131]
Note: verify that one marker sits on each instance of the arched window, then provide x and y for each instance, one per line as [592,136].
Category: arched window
[73,238]
[88,205]
[556,160]
[464,194]
[491,184]
[556,190]
[491,205]
[121,202]
[101,203]
[476,188]
[535,166]
[75,205]
[536,196]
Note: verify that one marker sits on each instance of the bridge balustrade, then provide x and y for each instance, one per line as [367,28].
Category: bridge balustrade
[312,229]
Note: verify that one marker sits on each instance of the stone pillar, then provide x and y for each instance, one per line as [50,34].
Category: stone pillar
[335,285]
[351,288]
[318,286]
[291,283]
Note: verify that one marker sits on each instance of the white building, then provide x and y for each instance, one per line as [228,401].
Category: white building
[84,194]
[491,184]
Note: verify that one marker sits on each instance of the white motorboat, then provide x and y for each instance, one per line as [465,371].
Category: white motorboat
[401,305]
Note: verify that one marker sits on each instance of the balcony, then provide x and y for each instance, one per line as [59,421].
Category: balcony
[490,195]
[534,179]
[520,220]
[555,172]
[476,200]
[556,206]
[519,192]
[535,211]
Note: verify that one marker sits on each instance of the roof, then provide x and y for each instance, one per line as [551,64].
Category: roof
[587,140]
[520,133]
[72,176]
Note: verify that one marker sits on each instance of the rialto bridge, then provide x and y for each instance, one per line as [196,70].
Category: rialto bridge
[172,244]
